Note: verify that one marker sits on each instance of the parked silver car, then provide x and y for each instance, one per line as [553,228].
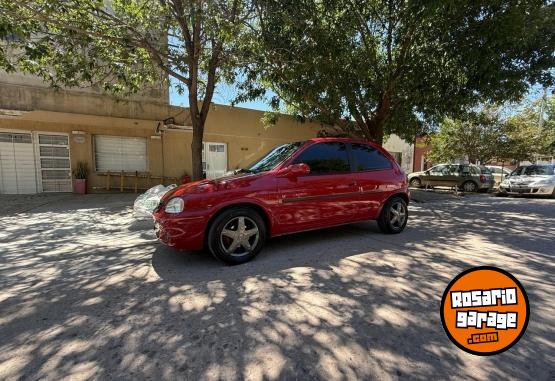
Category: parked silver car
[536,180]
[499,173]
[468,177]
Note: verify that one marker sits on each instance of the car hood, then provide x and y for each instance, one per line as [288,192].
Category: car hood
[420,173]
[529,179]
[223,183]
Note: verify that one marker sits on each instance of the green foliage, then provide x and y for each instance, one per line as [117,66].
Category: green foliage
[397,66]
[530,135]
[484,135]
[81,171]
[123,46]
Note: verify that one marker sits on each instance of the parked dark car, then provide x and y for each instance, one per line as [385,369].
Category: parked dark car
[467,177]
[298,186]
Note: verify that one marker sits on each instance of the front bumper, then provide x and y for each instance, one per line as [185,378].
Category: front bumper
[183,233]
[528,190]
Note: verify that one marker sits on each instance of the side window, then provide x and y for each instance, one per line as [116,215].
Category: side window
[368,158]
[323,158]
[438,169]
[454,169]
[475,170]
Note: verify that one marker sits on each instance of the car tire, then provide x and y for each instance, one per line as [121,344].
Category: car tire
[415,183]
[394,207]
[469,186]
[228,237]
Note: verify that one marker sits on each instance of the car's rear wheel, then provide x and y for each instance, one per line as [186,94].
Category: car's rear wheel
[236,235]
[415,183]
[394,216]
[469,186]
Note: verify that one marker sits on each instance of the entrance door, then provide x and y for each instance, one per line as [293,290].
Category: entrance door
[54,164]
[215,159]
[17,163]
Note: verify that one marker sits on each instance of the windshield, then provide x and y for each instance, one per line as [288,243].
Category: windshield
[274,157]
[531,170]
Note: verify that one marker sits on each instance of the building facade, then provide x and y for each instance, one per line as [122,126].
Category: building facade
[127,145]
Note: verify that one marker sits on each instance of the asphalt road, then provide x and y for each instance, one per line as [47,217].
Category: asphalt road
[86,293]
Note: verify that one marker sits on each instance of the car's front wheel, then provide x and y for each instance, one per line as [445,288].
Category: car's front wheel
[415,183]
[236,235]
[394,216]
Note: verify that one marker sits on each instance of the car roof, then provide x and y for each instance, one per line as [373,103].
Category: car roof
[344,140]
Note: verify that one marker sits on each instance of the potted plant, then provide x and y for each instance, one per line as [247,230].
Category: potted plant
[80,174]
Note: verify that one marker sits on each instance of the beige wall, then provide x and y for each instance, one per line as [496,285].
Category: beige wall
[156,93]
[169,154]
[396,144]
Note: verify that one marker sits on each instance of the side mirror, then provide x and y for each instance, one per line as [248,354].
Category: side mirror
[294,170]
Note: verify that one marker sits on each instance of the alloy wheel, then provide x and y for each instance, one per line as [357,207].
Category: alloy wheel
[469,186]
[398,215]
[239,236]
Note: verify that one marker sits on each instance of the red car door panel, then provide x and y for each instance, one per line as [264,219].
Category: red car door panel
[314,201]
[325,197]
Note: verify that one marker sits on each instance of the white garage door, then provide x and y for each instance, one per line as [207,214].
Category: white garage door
[17,163]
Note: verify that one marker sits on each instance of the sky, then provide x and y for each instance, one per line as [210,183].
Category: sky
[224,94]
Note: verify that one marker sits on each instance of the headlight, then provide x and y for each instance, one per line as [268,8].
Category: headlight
[175,205]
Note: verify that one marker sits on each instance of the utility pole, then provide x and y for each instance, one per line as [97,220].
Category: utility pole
[542,105]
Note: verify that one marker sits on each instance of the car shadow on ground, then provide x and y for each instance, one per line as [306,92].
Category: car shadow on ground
[87,293]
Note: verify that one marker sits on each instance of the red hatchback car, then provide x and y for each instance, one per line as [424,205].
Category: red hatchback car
[298,186]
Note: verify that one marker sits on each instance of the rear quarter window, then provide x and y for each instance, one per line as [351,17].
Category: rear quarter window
[368,158]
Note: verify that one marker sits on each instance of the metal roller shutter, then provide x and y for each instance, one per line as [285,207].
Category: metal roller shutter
[119,153]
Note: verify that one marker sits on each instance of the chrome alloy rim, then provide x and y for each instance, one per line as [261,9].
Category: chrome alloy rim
[398,214]
[239,236]
[469,187]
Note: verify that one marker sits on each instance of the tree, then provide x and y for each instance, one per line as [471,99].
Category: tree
[532,131]
[484,135]
[480,137]
[123,45]
[390,66]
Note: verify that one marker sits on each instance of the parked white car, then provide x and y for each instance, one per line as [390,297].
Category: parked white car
[499,173]
[530,180]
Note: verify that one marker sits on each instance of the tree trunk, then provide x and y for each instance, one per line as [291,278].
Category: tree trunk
[376,129]
[196,150]
[374,126]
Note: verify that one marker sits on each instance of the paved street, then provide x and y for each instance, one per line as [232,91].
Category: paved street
[87,293]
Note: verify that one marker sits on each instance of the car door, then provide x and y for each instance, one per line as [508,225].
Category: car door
[435,174]
[452,175]
[325,197]
[375,175]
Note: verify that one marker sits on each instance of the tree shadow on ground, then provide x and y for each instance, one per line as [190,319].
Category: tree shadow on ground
[87,293]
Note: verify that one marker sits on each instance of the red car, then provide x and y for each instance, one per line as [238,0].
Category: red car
[298,186]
